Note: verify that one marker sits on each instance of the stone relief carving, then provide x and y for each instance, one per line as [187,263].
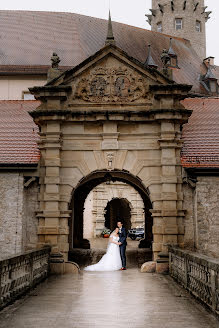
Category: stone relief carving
[112,85]
[110,160]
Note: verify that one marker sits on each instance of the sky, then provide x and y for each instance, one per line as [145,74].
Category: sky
[124,11]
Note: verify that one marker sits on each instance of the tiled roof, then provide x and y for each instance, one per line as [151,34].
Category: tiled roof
[28,39]
[18,133]
[201,133]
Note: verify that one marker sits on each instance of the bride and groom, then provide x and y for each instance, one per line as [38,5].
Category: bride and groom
[115,257]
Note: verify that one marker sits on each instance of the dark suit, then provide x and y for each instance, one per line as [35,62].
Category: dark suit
[122,239]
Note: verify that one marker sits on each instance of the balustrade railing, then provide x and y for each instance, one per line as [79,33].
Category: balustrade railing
[198,274]
[21,273]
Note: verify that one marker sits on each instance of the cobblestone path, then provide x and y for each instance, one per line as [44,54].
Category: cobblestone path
[99,300]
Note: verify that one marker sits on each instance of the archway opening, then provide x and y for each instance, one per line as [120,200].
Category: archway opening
[117,209]
[81,193]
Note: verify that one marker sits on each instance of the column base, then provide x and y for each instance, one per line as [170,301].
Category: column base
[162,263]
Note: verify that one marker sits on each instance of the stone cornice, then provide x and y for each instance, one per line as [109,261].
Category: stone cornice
[45,93]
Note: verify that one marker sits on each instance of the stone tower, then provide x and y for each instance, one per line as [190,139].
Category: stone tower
[181,18]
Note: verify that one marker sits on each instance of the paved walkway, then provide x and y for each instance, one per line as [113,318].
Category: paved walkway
[98,300]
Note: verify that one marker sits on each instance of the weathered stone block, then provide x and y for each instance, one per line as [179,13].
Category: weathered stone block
[157,247]
[148,267]
[170,230]
[162,267]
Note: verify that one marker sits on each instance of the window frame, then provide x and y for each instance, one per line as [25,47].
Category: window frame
[177,24]
[27,93]
[200,26]
[159,27]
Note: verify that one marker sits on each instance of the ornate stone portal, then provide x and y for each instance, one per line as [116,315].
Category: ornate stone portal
[110,114]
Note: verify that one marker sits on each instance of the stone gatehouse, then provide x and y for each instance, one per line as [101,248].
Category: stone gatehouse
[109,118]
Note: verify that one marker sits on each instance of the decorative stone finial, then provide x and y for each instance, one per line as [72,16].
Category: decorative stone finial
[110,37]
[166,60]
[54,71]
[150,61]
[165,57]
[55,60]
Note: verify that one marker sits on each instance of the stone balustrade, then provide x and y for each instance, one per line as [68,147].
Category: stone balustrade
[198,274]
[20,273]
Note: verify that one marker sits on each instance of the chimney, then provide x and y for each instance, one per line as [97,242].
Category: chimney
[209,61]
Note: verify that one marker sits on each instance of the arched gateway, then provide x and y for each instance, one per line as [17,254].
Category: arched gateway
[89,183]
[110,116]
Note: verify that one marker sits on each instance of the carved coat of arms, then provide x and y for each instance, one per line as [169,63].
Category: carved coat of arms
[107,85]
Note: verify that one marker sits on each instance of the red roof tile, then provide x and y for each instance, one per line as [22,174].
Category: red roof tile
[18,133]
[201,133]
[28,38]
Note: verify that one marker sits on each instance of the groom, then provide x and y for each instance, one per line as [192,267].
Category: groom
[122,243]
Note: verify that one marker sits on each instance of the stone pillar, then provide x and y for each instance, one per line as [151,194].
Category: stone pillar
[167,211]
[53,216]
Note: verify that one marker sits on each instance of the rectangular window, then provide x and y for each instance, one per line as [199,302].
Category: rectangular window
[198,26]
[159,27]
[28,96]
[178,23]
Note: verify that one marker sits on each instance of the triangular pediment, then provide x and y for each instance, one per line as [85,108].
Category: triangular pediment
[110,76]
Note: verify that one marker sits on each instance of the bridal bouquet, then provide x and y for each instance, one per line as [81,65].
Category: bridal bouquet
[106,232]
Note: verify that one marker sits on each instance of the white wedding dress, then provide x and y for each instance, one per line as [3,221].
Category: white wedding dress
[111,261]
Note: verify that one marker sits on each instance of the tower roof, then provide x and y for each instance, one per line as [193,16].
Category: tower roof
[171,52]
[149,61]
[210,75]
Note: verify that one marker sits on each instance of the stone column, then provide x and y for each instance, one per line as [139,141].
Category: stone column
[167,211]
[53,217]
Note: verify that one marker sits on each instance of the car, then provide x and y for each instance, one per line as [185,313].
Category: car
[136,233]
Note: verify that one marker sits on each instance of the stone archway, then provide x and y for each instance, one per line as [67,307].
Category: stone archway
[97,179]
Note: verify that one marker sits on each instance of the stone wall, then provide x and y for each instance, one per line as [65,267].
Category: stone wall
[30,222]
[17,214]
[188,205]
[202,216]
[207,215]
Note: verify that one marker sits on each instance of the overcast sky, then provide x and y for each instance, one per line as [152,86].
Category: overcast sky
[130,12]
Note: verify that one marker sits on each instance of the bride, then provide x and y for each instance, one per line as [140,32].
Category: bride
[111,261]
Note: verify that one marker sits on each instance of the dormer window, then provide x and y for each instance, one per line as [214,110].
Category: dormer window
[178,24]
[198,26]
[209,81]
[159,27]
[173,56]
